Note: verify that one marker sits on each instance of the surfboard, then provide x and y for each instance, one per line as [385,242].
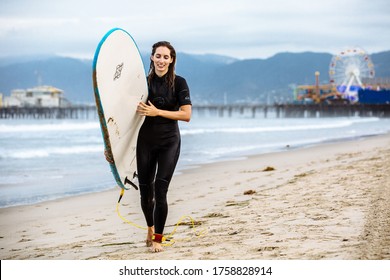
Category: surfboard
[119,83]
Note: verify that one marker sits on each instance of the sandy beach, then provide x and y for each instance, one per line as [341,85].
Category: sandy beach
[330,201]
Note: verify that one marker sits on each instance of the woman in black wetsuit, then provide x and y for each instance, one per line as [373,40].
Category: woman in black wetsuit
[158,145]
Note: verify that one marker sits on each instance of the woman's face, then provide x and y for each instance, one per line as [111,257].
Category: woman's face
[161,59]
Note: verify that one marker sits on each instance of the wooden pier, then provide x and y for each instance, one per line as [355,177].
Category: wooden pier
[296,110]
[71,112]
[265,111]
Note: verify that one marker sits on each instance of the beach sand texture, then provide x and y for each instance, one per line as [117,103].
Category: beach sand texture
[331,201]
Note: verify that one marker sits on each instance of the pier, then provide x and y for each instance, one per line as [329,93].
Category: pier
[70,112]
[296,110]
[249,110]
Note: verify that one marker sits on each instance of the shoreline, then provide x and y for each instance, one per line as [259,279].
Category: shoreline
[181,170]
[327,201]
[63,178]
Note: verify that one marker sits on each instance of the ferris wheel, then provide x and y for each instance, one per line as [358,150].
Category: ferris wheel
[347,69]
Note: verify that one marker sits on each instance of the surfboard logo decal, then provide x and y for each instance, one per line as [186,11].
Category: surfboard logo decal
[118,71]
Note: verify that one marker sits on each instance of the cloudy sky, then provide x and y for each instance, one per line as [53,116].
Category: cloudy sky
[238,28]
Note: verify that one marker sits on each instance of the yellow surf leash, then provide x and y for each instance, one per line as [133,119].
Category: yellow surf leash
[123,218]
[168,239]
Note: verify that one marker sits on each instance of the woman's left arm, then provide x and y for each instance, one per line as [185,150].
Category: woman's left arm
[184,113]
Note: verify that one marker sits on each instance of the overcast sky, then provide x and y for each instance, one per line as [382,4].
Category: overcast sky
[238,28]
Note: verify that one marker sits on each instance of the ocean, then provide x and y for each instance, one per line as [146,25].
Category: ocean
[43,159]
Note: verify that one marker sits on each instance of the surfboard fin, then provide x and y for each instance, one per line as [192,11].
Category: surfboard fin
[127,181]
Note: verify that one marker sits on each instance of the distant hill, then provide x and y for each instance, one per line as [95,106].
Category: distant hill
[261,79]
[212,78]
[71,75]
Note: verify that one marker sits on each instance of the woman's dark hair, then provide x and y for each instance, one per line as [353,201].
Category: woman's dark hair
[171,70]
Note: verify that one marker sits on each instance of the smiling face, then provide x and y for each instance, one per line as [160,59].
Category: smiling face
[162,60]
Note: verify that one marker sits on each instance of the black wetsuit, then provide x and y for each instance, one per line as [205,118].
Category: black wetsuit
[158,149]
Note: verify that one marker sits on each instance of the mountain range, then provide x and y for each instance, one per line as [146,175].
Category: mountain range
[213,79]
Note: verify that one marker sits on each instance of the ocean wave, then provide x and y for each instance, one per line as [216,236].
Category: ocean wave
[17,128]
[50,151]
[281,128]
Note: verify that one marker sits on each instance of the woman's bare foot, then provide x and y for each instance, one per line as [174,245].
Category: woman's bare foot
[149,237]
[156,247]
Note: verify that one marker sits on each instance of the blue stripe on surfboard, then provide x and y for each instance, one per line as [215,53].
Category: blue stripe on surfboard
[102,120]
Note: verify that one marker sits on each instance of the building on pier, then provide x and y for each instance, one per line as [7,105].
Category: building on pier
[41,96]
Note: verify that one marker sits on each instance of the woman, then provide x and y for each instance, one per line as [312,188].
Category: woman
[158,145]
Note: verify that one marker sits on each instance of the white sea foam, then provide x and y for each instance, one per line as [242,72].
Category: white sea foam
[65,126]
[277,128]
[50,151]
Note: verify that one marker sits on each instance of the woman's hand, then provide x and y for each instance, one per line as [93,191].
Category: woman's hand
[148,109]
[184,113]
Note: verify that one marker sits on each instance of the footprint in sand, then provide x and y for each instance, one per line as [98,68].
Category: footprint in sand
[267,248]
[84,225]
[24,240]
[267,233]
[249,192]
[237,203]
[215,215]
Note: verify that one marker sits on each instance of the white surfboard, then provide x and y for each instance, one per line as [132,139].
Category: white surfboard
[119,83]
